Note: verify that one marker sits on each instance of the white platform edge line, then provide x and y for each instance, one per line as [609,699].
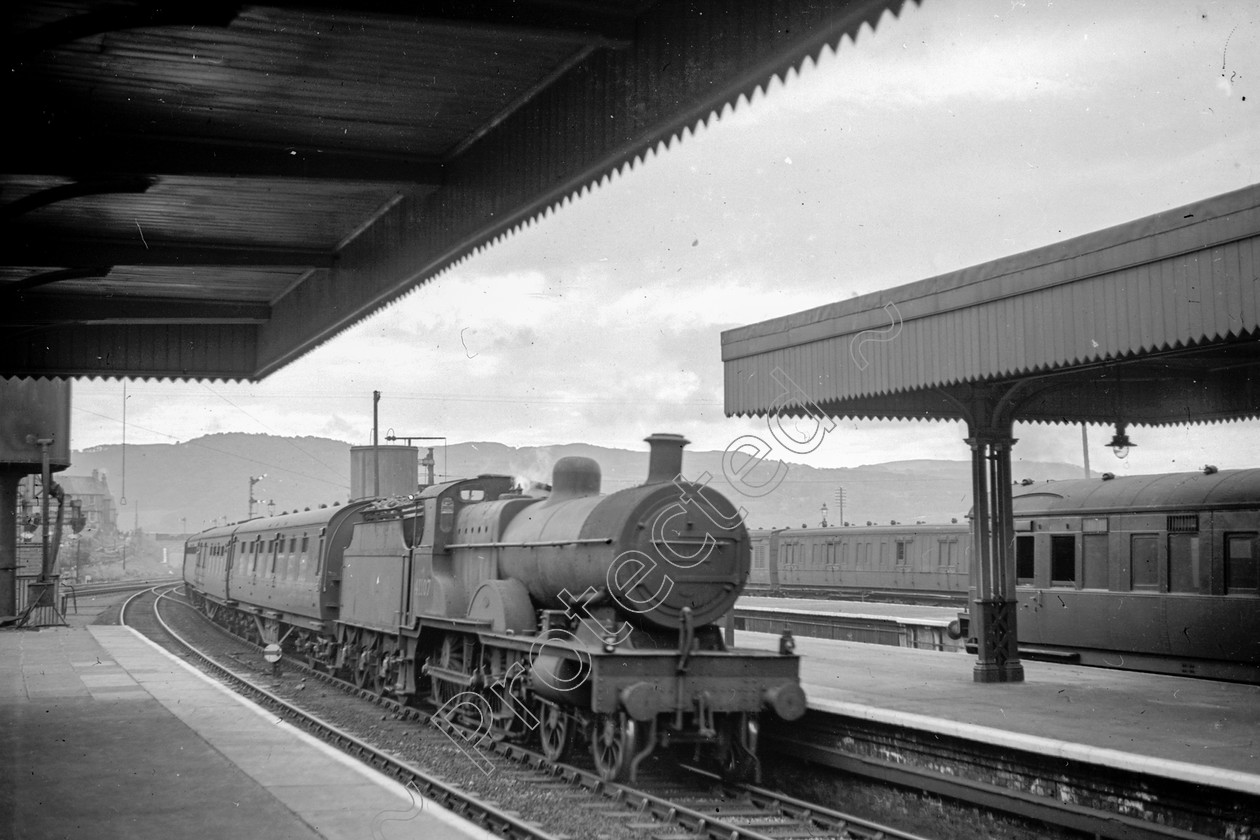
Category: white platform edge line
[375,776]
[914,622]
[1105,757]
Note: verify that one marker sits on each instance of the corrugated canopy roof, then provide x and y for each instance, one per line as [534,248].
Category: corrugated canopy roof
[212,189]
[1154,321]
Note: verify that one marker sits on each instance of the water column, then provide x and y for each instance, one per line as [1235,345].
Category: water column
[30,410]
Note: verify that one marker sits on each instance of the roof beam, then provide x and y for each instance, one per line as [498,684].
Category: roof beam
[36,309]
[109,185]
[66,251]
[551,20]
[146,154]
[203,351]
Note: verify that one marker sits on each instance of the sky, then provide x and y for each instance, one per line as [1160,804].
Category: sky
[958,134]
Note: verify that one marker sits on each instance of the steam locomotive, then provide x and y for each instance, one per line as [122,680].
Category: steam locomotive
[1152,572]
[557,617]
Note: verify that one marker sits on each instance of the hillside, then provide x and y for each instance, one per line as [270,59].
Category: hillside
[175,488]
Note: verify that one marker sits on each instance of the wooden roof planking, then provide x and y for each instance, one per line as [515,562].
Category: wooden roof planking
[211,190]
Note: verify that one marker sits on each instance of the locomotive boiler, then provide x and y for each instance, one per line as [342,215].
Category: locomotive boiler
[576,615]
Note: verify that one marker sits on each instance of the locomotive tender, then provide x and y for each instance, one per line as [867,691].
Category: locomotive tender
[574,614]
[1151,572]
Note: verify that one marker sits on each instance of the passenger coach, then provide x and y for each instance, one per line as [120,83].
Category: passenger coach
[1150,572]
[1153,572]
[277,575]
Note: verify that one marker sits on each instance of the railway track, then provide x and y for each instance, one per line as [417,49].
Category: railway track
[484,814]
[680,803]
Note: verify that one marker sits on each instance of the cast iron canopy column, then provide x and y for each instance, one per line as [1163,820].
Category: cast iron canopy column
[990,412]
[994,610]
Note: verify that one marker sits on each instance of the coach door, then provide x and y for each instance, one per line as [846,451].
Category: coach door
[228,565]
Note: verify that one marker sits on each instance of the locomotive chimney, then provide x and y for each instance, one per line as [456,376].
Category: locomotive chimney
[665,459]
[573,477]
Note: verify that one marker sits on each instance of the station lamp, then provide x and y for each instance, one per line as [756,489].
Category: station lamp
[1120,443]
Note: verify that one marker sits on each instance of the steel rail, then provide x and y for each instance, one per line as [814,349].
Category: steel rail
[455,800]
[768,804]
[122,612]
[1102,824]
[1099,824]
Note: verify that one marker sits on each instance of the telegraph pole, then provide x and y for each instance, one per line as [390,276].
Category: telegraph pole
[376,447]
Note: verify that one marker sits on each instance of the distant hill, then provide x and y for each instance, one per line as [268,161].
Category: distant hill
[183,487]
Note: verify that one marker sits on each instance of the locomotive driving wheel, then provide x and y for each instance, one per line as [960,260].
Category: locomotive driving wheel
[615,739]
[555,731]
[385,670]
[510,706]
[364,664]
[451,658]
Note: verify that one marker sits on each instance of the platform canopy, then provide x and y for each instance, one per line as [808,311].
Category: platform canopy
[1147,323]
[1152,322]
[212,189]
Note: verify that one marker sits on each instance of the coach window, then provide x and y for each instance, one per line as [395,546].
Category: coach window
[861,555]
[277,545]
[1062,560]
[1025,556]
[1242,566]
[902,552]
[1144,554]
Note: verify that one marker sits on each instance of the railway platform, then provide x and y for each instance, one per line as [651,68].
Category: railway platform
[1119,739]
[106,735]
[901,625]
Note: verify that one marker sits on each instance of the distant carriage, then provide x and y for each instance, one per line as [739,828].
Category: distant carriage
[1155,572]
